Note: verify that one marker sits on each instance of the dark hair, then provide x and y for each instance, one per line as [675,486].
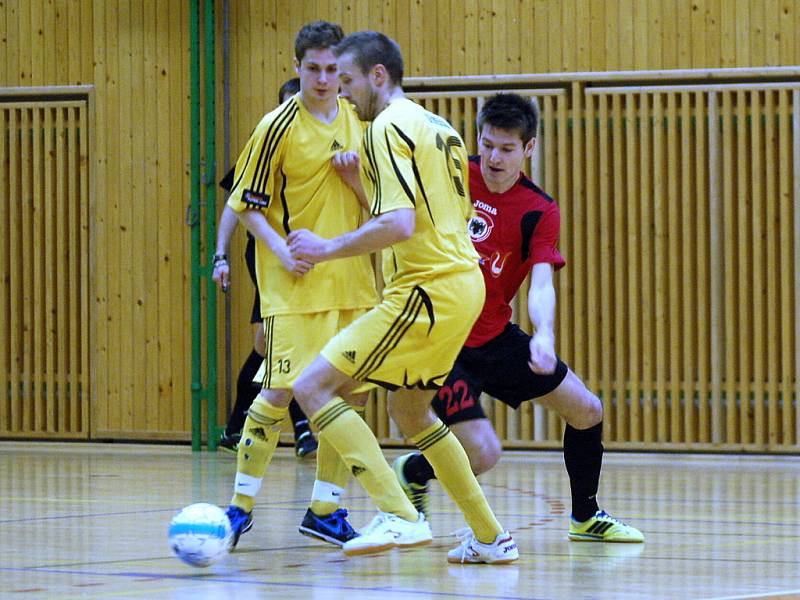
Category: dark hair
[289,88]
[370,48]
[317,35]
[511,112]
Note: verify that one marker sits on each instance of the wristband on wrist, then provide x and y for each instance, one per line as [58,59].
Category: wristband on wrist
[219,258]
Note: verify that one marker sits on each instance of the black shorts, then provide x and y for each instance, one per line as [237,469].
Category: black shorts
[499,368]
[250,259]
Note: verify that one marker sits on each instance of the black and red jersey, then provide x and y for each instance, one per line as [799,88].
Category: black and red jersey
[511,231]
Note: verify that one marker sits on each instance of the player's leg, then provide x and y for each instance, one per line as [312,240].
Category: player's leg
[246,390]
[410,410]
[325,518]
[319,390]
[480,443]
[583,458]
[456,404]
[422,361]
[305,444]
[487,542]
[288,347]
[583,447]
[262,430]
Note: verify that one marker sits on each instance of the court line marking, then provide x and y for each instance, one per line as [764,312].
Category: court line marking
[274,584]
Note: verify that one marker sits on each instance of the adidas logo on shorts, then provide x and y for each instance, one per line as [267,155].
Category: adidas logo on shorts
[336,146]
[350,355]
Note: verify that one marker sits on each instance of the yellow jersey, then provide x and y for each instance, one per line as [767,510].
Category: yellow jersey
[285,171]
[415,159]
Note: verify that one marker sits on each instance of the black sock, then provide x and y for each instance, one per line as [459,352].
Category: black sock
[583,456]
[418,470]
[246,391]
[299,419]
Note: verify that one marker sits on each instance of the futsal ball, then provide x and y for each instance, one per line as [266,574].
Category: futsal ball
[200,534]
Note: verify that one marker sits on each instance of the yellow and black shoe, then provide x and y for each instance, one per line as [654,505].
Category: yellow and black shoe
[229,443]
[305,444]
[416,493]
[602,527]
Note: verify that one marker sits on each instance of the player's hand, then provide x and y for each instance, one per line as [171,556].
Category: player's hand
[222,275]
[348,166]
[307,246]
[294,266]
[543,355]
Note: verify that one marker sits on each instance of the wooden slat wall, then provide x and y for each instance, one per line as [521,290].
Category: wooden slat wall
[135,54]
[678,305]
[468,37]
[44,303]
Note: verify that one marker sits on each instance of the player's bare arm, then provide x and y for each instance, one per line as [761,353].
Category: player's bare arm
[542,308]
[227,225]
[348,166]
[257,224]
[376,234]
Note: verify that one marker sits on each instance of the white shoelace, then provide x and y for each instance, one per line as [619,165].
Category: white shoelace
[466,535]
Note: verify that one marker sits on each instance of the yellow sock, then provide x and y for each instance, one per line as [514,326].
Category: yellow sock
[331,470]
[355,443]
[260,435]
[451,465]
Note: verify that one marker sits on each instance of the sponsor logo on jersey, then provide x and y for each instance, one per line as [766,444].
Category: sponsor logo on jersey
[255,199]
[480,226]
[336,146]
[486,207]
[498,262]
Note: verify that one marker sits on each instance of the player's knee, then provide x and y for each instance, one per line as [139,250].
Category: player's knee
[489,455]
[304,388]
[484,454]
[591,412]
[262,404]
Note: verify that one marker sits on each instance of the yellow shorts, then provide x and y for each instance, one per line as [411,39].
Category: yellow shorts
[294,341]
[411,339]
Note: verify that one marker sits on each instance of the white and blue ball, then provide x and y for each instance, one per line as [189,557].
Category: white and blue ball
[200,534]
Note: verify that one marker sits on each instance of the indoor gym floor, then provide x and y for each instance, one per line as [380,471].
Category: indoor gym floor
[90,521]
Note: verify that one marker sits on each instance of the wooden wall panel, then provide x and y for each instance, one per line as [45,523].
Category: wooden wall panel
[135,54]
[44,369]
[679,301]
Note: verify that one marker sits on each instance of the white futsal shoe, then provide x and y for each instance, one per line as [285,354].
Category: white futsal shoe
[500,552]
[388,531]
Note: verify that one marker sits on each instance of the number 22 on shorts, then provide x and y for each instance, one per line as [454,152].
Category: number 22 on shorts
[456,397]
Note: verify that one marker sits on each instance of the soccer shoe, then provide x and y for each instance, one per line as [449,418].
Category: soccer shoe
[417,494]
[333,528]
[305,445]
[229,443]
[241,522]
[472,552]
[602,527]
[389,531]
